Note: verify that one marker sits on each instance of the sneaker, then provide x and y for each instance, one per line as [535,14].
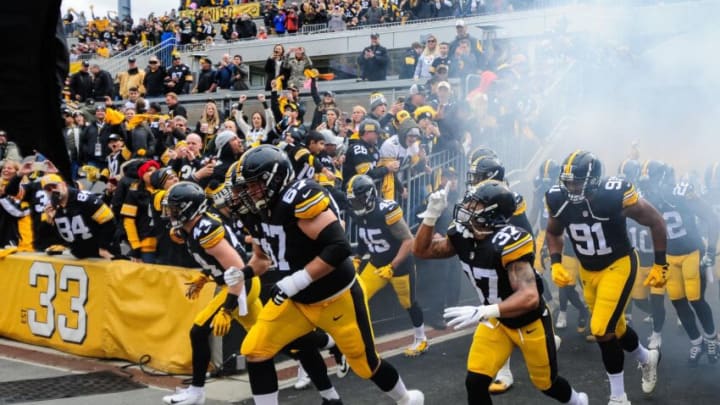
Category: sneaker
[342,368]
[558,341]
[303,380]
[648,319]
[413,397]
[654,341]
[583,398]
[695,353]
[561,322]
[628,319]
[186,396]
[649,371]
[621,400]
[712,350]
[418,347]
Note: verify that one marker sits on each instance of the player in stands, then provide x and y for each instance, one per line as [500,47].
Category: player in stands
[498,258]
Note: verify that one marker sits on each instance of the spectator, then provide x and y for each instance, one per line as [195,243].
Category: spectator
[141,140]
[246,27]
[292,22]
[416,98]
[186,159]
[372,15]
[269,12]
[373,60]
[260,125]
[102,83]
[273,65]
[8,149]
[262,33]
[133,77]
[279,22]
[475,46]
[178,77]
[424,64]
[81,84]
[71,133]
[207,81]
[118,155]
[242,74]
[154,81]
[410,60]
[337,20]
[11,212]
[136,214]
[294,67]
[133,97]
[462,60]
[174,107]
[322,105]
[443,58]
[357,116]
[378,109]
[94,140]
[225,73]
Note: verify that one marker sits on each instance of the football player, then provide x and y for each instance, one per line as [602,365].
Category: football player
[386,238]
[307,241]
[712,196]
[680,206]
[215,248]
[498,258]
[593,211]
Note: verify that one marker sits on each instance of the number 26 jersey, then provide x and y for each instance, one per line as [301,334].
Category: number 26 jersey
[596,226]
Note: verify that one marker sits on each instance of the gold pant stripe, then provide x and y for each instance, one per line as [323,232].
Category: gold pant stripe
[625,295]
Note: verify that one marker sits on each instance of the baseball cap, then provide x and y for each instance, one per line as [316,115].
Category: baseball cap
[374,35]
[417,89]
[100,107]
[176,57]
[131,59]
[444,84]
[50,179]
[328,93]
[114,137]
[85,63]
[459,23]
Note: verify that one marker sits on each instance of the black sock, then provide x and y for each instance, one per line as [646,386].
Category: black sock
[314,365]
[416,314]
[612,356]
[263,378]
[385,377]
[657,307]
[559,390]
[200,353]
[687,317]
[477,388]
[704,314]
[629,341]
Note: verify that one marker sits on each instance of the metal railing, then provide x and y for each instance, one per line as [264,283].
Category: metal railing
[118,62]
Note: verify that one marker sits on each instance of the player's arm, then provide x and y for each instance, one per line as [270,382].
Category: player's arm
[645,214]
[554,239]
[260,262]
[401,231]
[525,296]
[327,231]
[425,247]
[229,258]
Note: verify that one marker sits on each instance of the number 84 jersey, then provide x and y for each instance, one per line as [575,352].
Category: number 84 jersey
[596,226]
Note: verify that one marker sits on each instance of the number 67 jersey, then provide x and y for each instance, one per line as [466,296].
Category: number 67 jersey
[596,226]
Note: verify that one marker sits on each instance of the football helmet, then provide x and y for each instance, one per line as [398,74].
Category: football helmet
[361,194]
[297,133]
[548,174]
[630,170]
[580,175]
[481,151]
[261,174]
[488,205]
[712,176]
[653,175]
[183,202]
[485,168]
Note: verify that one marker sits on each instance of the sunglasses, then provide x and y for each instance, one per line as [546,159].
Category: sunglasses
[431,40]
[153,62]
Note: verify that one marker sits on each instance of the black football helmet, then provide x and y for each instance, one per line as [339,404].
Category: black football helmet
[630,170]
[712,177]
[653,176]
[184,201]
[362,194]
[485,168]
[498,205]
[261,174]
[548,174]
[481,151]
[580,175]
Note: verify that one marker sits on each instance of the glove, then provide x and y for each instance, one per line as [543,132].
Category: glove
[233,276]
[708,259]
[195,286]
[356,262]
[436,203]
[8,251]
[560,276]
[657,276]
[221,322]
[385,272]
[461,317]
[289,286]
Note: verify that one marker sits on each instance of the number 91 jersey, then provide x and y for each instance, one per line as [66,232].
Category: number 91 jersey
[374,233]
[596,226]
[485,261]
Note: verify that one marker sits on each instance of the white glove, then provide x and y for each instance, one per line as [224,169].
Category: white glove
[469,315]
[436,203]
[233,276]
[708,260]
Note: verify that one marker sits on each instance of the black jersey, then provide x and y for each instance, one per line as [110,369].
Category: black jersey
[374,236]
[641,240]
[485,262]
[596,226]
[683,236]
[519,217]
[85,223]
[362,158]
[291,249]
[304,163]
[185,168]
[138,208]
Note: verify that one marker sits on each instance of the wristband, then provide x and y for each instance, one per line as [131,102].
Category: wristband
[231,302]
[493,311]
[660,257]
[556,258]
[248,272]
[429,221]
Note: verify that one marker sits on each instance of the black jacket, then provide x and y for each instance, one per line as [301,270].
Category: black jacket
[81,84]
[93,135]
[374,68]
[155,82]
[102,85]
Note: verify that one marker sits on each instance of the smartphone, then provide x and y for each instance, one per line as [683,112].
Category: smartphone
[324,118]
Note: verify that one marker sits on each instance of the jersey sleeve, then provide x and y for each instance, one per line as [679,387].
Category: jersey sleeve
[101,212]
[209,232]
[553,200]
[521,205]
[310,200]
[630,194]
[515,245]
[391,211]
[129,207]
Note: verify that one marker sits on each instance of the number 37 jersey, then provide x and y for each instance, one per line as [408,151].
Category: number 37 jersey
[596,227]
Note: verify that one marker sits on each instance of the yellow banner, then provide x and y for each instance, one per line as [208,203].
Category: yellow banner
[253,9]
[100,309]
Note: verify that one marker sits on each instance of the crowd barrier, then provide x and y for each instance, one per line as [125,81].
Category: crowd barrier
[101,309]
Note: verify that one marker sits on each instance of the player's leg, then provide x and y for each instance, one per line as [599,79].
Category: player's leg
[403,284]
[693,281]
[490,349]
[675,287]
[573,267]
[372,283]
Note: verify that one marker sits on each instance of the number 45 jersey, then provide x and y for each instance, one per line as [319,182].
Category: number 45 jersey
[374,233]
[596,226]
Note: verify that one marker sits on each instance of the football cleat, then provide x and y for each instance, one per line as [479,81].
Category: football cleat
[186,396]
[413,397]
[342,368]
[621,400]
[331,402]
[694,356]
[583,398]
[558,342]
[418,347]
[503,380]
[561,322]
[711,348]
[303,380]
[654,341]
[649,371]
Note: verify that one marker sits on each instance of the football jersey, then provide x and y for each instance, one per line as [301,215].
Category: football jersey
[374,236]
[641,240]
[185,168]
[683,236]
[519,217]
[304,163]
[291,249]
[596,227]
[485,261]
[138,206]
[85,223]
[362,158]
[206,234]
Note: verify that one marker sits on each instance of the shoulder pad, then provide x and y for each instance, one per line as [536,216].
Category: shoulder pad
[512,243]
[208,231]
[391,210]
[307,198]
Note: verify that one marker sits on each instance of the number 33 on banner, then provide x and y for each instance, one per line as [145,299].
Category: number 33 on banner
[44,324]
